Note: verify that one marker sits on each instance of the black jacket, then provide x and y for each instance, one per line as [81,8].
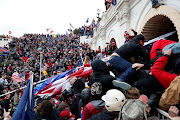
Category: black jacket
[102,75]
[132,49]
[104,115]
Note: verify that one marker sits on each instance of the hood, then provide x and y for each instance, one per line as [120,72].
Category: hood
[98,104]
[98,66]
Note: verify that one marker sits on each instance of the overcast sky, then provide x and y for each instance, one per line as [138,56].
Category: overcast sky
[35,16]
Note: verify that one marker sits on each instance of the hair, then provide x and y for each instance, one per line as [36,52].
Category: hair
[62,106]
[45,108]
[132,93]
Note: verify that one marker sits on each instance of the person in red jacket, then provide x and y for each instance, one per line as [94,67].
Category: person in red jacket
[164,77]
[170,81]
[96,105]
[129,37]
[160,44]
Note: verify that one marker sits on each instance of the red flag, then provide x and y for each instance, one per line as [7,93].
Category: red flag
[25,59]
[51,31]
[10,32]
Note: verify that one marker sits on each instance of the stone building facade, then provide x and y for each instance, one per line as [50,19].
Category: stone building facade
[140,16]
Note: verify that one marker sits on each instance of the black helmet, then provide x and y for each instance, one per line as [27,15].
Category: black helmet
[86,94]
[69,92]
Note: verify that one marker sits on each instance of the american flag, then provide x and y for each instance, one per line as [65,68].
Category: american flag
[43,68]
[16,77]
[48,29]
[57,87]
[71,25]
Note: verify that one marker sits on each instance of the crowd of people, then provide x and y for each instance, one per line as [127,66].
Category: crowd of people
[87,31]
[140,81]
[62,55]
[127,86]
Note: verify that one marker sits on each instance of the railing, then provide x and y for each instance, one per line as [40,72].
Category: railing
[162,115]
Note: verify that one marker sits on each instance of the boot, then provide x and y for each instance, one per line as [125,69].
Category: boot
[123,85]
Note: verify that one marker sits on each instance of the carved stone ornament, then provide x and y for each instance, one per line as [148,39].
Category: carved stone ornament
[102,34]
[125,12]
[118,17]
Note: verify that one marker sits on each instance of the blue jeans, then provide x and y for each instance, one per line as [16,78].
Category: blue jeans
[175,47]
[122,66]
[154,2]
[125,76]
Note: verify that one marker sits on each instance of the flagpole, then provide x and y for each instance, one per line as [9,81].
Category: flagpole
[40,65]
[39,82]
[31,87]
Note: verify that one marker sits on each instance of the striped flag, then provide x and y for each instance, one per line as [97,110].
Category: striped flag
[43,68]
[71,26]
[57,87]
[48,29]
[16,77]
[4,52]
[51,80]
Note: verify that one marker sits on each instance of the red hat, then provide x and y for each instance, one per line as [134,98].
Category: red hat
[66,114]
[126,33]
[143,98]
[114,43]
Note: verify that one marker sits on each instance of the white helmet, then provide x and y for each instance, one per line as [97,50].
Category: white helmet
[114,100]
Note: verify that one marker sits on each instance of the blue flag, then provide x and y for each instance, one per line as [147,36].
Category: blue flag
[67,34]
[25,108]
[80,62]
[87,20]
[59,38]
[84,32]
[114,2]
[50,42]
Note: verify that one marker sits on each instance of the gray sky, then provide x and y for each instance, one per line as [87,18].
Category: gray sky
[35,16]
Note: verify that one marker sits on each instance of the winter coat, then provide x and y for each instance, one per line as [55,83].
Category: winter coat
[132,49]
[102,75]
[104,115]
[171,95]
[92,108]
[160,44]
[164,77]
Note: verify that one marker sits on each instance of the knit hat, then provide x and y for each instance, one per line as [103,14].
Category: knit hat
[126,33]
[66,114]
[143,98]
